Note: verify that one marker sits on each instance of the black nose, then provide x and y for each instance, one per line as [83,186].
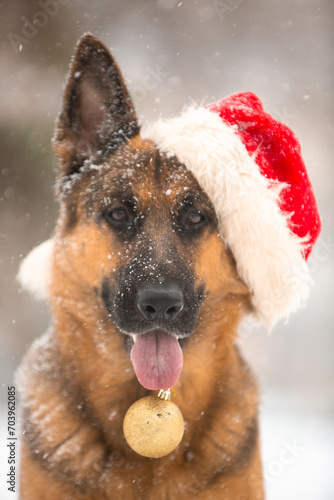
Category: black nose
[163,303]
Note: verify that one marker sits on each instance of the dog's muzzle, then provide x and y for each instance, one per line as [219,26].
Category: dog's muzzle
[154,316]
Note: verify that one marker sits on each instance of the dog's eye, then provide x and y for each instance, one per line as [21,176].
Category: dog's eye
[195,218]
[117,215]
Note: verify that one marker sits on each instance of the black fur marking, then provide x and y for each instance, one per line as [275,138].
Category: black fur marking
[72,216]
[247,448]
[157,164]
[120,137]
[105,293]
[200,291]
[243,453]
[246,444]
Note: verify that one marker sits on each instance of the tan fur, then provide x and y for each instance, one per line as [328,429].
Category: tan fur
[78,382]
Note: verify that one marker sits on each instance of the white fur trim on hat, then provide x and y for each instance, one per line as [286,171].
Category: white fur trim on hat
[268,255]
[35,270]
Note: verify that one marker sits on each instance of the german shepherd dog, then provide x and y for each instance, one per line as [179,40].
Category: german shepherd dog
[135,254]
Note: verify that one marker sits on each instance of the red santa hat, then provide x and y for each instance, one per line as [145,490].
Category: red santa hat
[251,167]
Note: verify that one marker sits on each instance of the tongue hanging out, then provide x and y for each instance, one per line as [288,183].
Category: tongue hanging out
[157,360]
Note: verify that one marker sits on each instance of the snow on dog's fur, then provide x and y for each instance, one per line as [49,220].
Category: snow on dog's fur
[134,222]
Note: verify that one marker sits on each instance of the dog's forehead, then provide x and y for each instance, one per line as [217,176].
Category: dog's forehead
[147,172]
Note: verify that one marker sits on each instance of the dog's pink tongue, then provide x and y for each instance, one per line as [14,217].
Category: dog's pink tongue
[157,360]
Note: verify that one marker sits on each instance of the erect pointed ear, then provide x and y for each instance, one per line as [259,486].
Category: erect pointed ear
[97,113]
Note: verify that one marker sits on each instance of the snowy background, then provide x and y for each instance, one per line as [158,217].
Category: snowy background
[171,53]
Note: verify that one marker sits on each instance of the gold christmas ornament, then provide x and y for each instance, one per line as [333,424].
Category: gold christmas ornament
[153,426]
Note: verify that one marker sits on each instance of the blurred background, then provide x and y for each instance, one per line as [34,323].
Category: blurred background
[173,53]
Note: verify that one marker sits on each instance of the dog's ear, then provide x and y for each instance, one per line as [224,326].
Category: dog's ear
[97,114]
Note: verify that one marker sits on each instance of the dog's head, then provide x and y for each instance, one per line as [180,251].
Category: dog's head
[137,248]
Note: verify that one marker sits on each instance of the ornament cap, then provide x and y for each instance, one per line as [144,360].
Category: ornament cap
[166,394]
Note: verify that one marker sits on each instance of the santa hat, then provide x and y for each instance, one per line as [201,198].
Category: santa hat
[250,166]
